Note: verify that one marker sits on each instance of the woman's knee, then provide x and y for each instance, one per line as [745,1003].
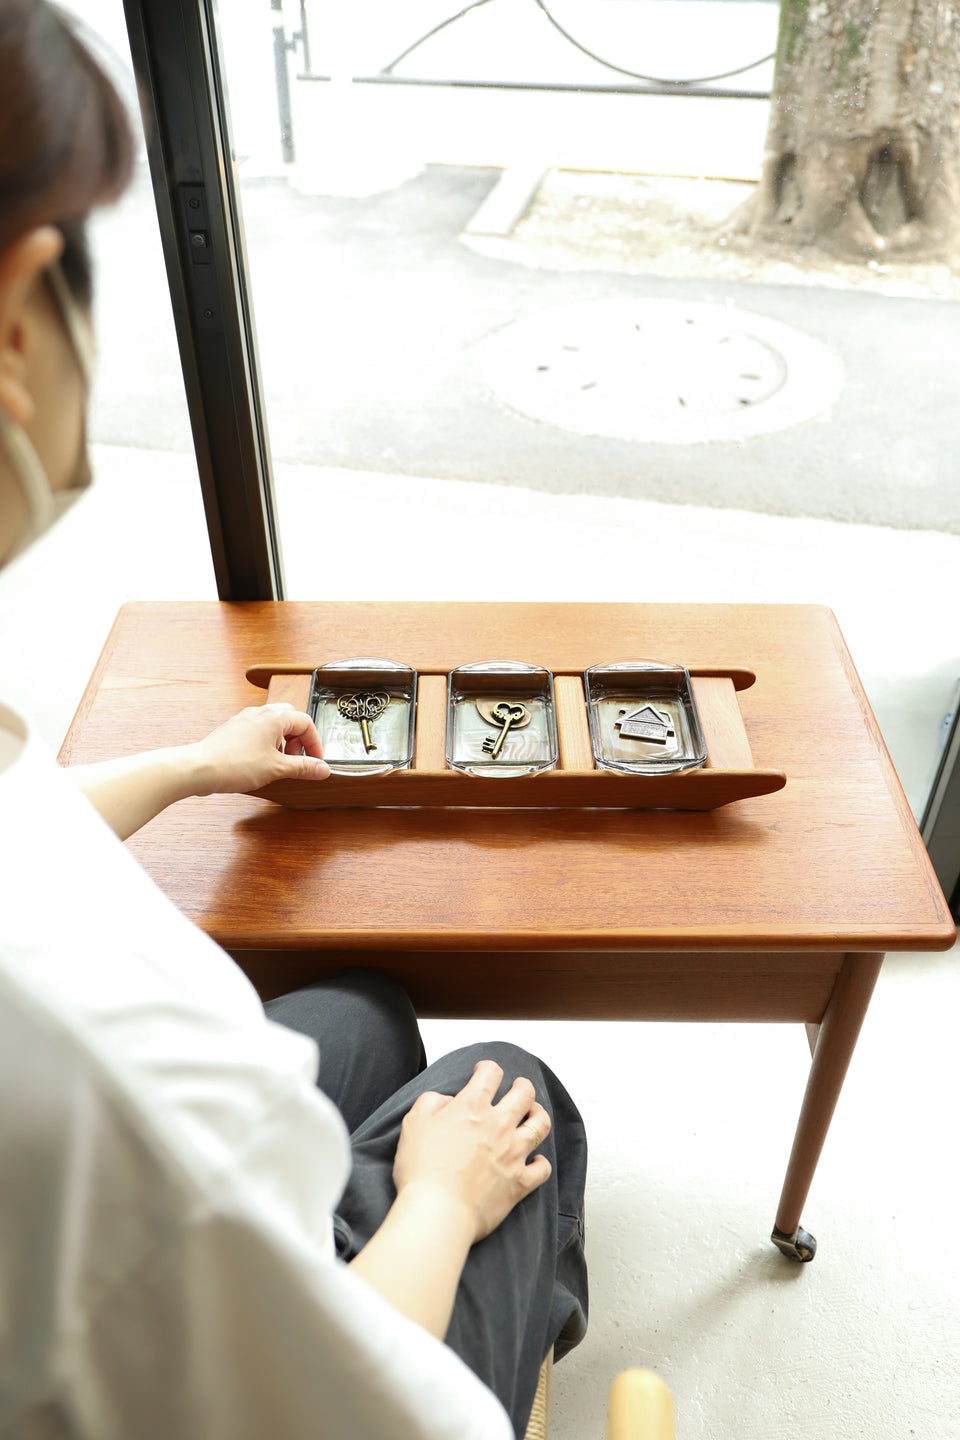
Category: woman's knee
[371,1004]
[515,1062]
[385,994]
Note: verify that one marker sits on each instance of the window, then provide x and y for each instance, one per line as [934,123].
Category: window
[512,344]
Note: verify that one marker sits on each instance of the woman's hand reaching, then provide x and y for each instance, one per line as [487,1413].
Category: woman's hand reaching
[262,743]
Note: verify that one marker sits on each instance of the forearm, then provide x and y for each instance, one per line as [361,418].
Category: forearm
[416,1258]
[131,791]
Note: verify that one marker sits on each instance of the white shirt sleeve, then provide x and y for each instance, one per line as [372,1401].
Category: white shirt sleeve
[169,1176]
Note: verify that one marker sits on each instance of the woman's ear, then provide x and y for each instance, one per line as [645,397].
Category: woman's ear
[21,268]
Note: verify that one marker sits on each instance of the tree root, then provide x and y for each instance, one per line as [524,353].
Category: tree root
[836,198]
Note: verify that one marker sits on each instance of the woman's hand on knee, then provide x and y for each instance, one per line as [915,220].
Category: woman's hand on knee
[475,1152]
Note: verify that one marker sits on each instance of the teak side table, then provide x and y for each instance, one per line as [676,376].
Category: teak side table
[777,907]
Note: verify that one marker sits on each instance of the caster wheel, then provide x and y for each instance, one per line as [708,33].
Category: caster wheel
[799,1246]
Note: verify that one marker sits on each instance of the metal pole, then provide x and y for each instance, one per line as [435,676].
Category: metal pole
[712,92]
[281,72]
[303,35]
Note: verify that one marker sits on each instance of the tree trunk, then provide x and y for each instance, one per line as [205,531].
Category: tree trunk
[862,153]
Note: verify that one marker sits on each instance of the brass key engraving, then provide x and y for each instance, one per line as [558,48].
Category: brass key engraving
[364,707]
[508,715]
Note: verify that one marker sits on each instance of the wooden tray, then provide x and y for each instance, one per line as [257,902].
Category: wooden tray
[729,773]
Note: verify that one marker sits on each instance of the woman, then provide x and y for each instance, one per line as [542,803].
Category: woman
[207,1229]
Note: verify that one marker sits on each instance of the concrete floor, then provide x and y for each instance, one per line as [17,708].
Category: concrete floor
[690,1125]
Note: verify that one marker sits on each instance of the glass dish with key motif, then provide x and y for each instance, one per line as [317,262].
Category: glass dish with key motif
[501,719]
[643,718]
[364,710]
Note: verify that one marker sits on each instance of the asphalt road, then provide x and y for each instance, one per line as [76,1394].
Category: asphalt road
[369,313]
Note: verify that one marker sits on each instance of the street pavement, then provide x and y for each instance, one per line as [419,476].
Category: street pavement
[371,313]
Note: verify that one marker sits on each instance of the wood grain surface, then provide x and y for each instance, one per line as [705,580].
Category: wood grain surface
[587,985]
[833,862]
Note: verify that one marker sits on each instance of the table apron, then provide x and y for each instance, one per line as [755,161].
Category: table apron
[576,984]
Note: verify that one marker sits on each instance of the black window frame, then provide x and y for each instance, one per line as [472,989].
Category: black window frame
[175,47]
[940,823]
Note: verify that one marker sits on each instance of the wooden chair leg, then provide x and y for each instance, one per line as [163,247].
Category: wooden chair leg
[639,1407]
[540,1414]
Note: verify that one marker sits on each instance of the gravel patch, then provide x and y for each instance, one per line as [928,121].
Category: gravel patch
[680,226]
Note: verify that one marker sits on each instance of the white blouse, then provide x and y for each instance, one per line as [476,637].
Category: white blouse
[168,1173]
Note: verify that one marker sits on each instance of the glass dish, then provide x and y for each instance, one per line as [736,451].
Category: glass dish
[364,710]
[643,718]
[501,719]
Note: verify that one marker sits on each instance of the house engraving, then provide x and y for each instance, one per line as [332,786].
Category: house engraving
[645,724]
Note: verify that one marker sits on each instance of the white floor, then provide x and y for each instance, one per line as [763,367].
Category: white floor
[690,1125]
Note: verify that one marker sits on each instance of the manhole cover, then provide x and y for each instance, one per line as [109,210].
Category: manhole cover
[660,370]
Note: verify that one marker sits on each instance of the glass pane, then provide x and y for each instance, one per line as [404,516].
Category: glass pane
[522,336]
[139,533]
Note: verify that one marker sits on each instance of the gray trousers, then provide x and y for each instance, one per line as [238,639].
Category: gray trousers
[524,1288]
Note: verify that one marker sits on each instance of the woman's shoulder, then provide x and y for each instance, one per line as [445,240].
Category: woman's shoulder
[160,1011]
[14,732]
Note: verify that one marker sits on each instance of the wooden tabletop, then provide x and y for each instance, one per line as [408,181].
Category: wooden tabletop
[831,862]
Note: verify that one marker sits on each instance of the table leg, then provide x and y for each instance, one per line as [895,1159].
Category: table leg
[832,1052]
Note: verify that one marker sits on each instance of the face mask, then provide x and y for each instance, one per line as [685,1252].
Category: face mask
[45,505]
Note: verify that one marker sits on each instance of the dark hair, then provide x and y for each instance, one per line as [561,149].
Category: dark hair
[66,144]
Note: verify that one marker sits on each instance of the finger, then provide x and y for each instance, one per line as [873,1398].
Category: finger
[431,1102]
[535,1126]
[484,1082]
[302,767]
[536,1172]
[540,1118]
[519,1099]
[296,726]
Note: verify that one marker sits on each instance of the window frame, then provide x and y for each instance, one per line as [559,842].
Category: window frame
[176,56]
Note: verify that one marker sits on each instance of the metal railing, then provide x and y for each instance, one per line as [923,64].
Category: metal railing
[701,85]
